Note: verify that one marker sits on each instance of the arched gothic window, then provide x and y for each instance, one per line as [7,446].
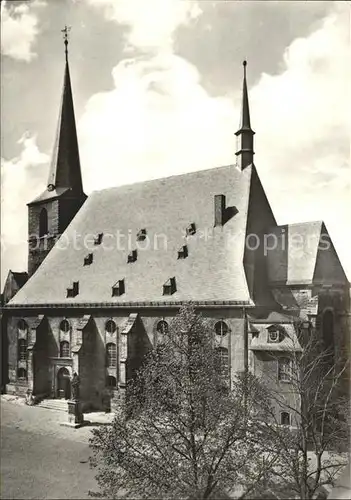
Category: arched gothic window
[221,328]
[22,350]
[285,418]
[111,355]
[43,222]
[222,355]
[284,369]
[64,349]
[162,327]
[328,332]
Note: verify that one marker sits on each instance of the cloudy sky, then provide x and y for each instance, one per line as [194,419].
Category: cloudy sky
[157,87]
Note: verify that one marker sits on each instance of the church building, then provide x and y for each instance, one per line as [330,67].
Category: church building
[108,272]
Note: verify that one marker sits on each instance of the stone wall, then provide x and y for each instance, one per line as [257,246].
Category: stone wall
[89,360]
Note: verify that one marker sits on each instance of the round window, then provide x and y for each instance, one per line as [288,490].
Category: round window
[110,326]
[162,327]
[64,326]
[221,328]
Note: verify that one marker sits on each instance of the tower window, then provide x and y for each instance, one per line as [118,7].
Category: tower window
[43,222]
[284,418]
[191,229]
[221,328]
[64,349]
[132,257]
[88,259]
[21,374]
[170,286]
[284,369]
[22,326]
[328,333]
[111,382]
[111,355]
[162,327]
[98,239]
[141,236]
[22,350]
[64,326]
[183,252]
[110,326]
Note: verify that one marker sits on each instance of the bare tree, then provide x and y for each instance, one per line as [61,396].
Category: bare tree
[183,432]
[312,432]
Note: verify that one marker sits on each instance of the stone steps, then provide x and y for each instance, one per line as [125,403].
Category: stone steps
[54,404]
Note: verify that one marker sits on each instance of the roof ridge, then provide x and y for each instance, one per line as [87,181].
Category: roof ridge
[318,221]
[149,181]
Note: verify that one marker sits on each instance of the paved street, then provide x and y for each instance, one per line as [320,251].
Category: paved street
[40,458]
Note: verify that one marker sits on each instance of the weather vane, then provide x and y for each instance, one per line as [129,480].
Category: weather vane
[65,32]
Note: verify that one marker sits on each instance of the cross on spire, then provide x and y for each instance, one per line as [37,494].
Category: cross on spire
[65,32]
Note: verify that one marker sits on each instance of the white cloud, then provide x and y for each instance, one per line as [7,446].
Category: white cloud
[302,120]
[20,178]
[159,120]
[151,23]
[19,29]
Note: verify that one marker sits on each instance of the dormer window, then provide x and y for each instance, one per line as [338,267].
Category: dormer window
[275,334]
[98,239]
[169,287]
[132,257]
[74,290]
[88,259]
[141,236]
[183,252]
[118,288]
[191,229]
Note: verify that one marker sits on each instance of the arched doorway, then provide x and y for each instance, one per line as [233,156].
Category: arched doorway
[63,384]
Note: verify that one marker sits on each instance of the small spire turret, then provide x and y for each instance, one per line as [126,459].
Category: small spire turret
[245,133]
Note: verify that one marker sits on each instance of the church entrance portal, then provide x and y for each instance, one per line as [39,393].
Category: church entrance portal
[63,384]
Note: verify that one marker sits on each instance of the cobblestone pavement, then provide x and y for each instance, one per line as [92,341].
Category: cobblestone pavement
[40,458]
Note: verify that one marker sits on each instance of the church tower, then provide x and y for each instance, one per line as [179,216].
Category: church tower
[51,212]
[245,134]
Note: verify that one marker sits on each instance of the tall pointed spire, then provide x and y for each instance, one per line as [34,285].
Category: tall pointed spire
[245,134]
[65,164]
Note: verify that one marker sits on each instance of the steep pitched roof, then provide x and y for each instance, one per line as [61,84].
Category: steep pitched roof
[65,164]
[303,253]
[65,171]
[213,269]
[293,259]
